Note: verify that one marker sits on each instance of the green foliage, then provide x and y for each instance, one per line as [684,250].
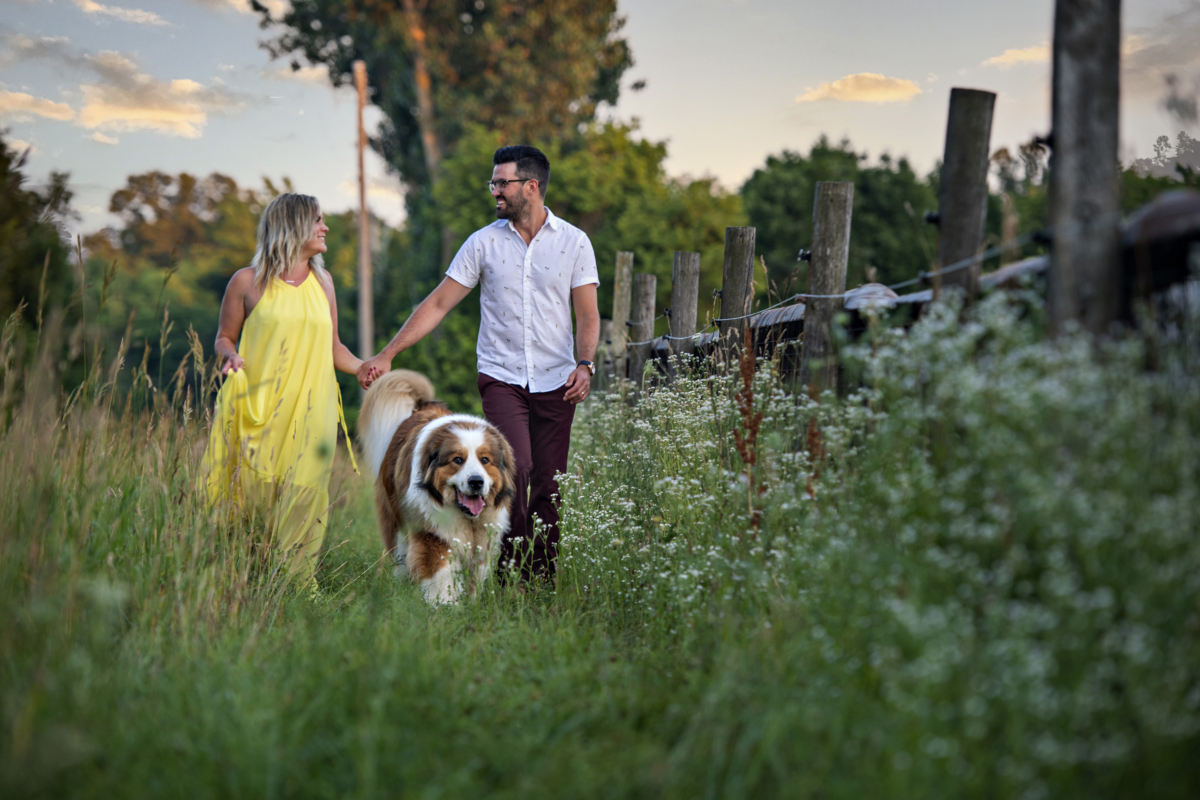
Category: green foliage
[779,203]
[34,258]
[530,71]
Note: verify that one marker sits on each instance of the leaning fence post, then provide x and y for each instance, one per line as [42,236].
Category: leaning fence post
[685,291]
[622,286]
[832,207]
[737,284]
[963,198]
[1085,279]
[642,329]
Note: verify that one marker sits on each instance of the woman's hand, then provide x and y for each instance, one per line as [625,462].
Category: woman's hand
[371,369]
[232,364]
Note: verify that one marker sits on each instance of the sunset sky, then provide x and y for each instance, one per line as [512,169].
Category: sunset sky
[105,90]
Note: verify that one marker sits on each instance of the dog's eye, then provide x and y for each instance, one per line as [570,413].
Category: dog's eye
[458,460]
[485,460]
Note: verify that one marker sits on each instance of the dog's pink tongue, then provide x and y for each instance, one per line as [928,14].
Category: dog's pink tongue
[472,504]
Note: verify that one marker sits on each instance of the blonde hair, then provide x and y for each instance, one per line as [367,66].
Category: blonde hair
[284,228]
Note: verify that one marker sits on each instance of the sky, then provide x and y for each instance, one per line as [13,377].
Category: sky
[107,90]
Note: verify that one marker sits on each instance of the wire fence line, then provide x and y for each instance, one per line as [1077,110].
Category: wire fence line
[991,252]
[1042,234]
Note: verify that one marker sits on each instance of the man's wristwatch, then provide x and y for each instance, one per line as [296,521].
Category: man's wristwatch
[591,367]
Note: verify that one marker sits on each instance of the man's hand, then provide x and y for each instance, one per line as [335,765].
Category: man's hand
[579,383]
[371,369]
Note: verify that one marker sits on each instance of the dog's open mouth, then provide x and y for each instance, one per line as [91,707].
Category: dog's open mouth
[472,506]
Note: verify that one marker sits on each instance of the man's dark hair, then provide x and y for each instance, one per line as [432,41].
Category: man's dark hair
[531,163]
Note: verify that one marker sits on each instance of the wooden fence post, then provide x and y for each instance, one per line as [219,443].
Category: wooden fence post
[1085,279]
[832,207]
[737,285]
[644,287]
[622,286]
[685,291]
[604,353]
[963,198]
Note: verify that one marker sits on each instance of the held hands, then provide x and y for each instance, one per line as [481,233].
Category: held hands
[371,369]
[579,383]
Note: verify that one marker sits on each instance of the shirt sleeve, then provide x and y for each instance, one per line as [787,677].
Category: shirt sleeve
[467,263]
[584,271]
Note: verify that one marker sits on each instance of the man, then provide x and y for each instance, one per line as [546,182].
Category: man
[532,267]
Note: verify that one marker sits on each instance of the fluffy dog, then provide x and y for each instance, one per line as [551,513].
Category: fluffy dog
[444,485]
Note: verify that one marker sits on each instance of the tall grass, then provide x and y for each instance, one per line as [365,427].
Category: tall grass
[979,575]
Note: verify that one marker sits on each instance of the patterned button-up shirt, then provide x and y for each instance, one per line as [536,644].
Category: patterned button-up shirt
[525,300]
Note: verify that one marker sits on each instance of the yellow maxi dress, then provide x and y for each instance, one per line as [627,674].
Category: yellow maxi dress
[275,430]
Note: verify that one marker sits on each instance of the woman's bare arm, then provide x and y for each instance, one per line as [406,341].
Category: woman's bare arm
[233,315]
[343,359]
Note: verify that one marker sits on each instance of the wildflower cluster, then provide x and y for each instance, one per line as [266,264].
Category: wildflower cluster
[998,545]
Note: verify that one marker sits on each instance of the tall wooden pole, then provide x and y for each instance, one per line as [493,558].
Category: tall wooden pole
[832,207]
[366,299]
[644,288]
[737,284]
[685,291]
[622,289]
[1085,281]
[962,204]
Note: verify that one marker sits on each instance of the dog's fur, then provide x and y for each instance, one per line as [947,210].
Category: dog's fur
[444,485]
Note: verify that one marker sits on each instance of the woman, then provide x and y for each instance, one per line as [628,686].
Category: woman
[278,411]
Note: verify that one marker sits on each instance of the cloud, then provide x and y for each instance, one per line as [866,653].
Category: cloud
[121,98]
[863,87]
[376,187]
[21,104]
[19,146]
[102,139]
[1152,53]
[277,7]
[123,14]
[1038,54]
[316,74]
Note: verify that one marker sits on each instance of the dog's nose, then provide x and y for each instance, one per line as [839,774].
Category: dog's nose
[475,483]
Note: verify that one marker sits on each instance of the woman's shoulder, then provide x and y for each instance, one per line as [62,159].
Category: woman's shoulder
[243,279]
[325,279]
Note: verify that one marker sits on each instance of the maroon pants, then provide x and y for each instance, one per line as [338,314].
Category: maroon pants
[538,426]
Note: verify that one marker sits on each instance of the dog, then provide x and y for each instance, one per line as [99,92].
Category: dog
[444,485]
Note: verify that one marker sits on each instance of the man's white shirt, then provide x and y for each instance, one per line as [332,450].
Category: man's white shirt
[525,335]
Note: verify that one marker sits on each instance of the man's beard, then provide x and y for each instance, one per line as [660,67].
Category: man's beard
[513,212]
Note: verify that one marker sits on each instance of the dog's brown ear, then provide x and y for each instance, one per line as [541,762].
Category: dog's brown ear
[506,464]
[432,457]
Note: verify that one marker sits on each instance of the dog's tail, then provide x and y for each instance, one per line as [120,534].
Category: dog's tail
[391,399]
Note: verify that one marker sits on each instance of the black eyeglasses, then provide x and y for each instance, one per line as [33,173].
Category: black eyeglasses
[502,184]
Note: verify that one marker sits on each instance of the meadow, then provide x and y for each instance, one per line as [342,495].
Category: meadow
[977,575]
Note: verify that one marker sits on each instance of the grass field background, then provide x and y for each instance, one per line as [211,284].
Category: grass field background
[976,576]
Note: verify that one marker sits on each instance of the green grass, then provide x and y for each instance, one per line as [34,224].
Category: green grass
[985,583]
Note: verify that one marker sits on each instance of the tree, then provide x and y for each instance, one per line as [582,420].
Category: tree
[34,252]
[1179,161]
[531,72]
[883,234]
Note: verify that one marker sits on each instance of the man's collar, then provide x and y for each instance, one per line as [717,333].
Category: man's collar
[554,222]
